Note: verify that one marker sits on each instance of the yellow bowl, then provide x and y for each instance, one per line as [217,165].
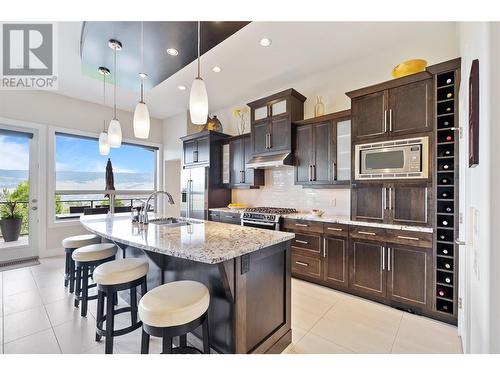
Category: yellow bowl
[409,67]
[237,205]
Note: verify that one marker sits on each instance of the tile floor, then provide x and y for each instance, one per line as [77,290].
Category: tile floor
[37,316]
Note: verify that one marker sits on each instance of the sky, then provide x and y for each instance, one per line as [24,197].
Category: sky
[14,153]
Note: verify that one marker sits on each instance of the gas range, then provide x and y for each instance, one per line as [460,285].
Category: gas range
[264,217]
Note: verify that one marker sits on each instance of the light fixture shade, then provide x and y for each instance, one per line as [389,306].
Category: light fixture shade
[198,102]
[141,121]
[115,134]
[103,144]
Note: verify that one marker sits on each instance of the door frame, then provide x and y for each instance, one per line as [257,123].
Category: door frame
[38,168]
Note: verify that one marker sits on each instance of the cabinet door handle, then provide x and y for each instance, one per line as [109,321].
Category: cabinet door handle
[384,199]
[242,177]
[335,229]
[229,216]
[390,119]
[385,120]
[301,225]
[309,174]
[324,247]
[383,258]
[302,263]
[388,259]
[409,238]
[195,156]
[390,198]
[314,172]
[334,174]
[300,241]
[270,140]
[367,233]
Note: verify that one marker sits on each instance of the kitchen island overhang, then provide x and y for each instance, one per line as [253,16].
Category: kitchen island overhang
[247,270]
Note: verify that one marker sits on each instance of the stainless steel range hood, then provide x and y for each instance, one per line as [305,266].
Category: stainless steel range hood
[270,161]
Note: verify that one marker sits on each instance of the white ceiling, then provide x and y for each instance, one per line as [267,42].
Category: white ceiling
[248,70]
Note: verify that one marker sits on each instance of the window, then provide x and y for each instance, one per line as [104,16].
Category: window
[81,172]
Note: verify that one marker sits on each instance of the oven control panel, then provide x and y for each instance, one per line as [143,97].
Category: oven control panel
[260,217]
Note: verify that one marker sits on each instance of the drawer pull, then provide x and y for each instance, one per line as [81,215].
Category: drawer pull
[367,233]
[300,241]
[301,225]
[409,238]
[301,263]
[335,229]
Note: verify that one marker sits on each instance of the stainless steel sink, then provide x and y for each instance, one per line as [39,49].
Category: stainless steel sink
[169,222]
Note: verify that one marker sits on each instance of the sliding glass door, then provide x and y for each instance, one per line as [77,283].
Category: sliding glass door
[18,194]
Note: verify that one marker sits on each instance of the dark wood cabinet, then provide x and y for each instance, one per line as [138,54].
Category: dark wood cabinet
[409,275]
[368,115]
[392,203]
[336,264]
[240,153]
[316,157]
[196,147]
[271,122]
[394,108]
[229,218]
[366,267]
[411,108]
[368,201]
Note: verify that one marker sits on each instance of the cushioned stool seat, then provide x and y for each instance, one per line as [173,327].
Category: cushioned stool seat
[94,252]
[175,309]
[75,242]
[174,303]
[120,271]
[70,244]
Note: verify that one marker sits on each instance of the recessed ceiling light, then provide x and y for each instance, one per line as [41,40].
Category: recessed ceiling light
[216,69]
[172,52]
[181,87]
[265,42]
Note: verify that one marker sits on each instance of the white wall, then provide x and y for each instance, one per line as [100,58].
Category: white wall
[480,186]
[50,109]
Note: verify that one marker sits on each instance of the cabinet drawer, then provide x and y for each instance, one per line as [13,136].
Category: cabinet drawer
[304,265]
[336,229]
[213,215]
[307,242]
[303,225]
[420,239]
[230,218]
[368,233]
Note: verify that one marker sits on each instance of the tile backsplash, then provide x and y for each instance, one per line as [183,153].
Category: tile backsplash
[280,191]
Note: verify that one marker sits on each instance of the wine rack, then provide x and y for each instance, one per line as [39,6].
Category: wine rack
[446,223]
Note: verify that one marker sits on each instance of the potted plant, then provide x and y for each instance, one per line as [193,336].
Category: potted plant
[11,219]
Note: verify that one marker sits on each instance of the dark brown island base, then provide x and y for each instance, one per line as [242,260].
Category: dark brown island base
[250,306]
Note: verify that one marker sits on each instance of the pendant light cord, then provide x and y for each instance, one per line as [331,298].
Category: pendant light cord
[142,62]
[199,25]
[104,96]
[114,88]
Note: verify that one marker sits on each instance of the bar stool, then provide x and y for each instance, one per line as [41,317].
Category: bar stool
[70,244]
[175,309]
[112,277]
[86,258]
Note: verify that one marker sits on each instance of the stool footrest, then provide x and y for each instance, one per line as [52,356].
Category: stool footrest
[119,332]
[186,350]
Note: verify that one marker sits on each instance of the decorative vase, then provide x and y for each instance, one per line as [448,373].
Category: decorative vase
[319,108]
[11,229]
[214,124]
[241,125]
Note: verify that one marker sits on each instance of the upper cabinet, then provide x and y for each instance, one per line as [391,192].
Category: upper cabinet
[240,154]
[322,150]
[199,149]
[393,108]
[271,122]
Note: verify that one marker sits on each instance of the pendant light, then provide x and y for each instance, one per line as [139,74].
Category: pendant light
[103,137]
[198,98]
[114,128]
[141,113]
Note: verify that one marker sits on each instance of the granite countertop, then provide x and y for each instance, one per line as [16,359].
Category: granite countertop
[202,241]
[339,220]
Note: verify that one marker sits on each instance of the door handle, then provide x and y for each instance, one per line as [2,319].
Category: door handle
[324,247]
[314,172]
[388,259]
[302,263]
[267,140]
[270,140]
[385,120]
[383,257]
[390,120]
[310,172]
[390,198]
[460,242]
[334,168]
[384,199]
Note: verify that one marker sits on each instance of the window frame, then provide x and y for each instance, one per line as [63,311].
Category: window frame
[52,221]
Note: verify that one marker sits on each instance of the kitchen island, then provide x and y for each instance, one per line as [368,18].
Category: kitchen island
[247,271]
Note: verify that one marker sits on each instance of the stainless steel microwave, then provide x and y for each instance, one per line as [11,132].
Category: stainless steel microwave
[401,159]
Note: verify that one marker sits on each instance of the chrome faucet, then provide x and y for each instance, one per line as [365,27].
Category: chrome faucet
[143,218]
